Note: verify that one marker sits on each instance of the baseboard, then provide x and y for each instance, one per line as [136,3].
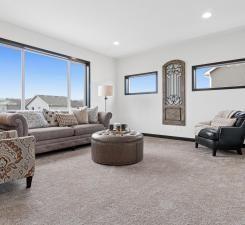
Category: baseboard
[169,137]
[173,137]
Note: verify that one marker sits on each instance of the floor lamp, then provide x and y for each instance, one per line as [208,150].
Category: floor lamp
[105,91]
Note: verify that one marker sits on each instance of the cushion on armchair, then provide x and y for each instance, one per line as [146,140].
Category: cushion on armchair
[223,122]
[240,116]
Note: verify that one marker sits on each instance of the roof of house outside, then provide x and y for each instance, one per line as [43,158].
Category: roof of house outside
[57,101]
[208,73]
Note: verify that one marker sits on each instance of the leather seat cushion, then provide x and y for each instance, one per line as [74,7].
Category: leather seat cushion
[49,133]
[209,133]
[87,128]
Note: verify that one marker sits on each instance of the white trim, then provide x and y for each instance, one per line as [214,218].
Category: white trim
[87,89]
[69,85]
[33,51]
[22,79]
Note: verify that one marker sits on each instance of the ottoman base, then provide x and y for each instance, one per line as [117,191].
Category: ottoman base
[117,153]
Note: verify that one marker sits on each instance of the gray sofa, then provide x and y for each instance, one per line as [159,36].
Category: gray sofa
[54,138]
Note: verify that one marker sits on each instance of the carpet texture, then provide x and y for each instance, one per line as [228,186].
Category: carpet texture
[175,184]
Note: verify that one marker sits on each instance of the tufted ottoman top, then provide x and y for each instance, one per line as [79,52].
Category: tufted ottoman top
[108,137]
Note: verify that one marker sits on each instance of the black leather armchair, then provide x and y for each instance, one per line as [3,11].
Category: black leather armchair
[223,138]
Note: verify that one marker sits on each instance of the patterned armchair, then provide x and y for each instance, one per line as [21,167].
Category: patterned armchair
[17,157]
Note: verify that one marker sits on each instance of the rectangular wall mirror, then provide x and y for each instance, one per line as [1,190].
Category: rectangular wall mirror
[220,75]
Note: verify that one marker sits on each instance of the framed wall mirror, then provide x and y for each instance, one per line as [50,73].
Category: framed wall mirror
[220,75]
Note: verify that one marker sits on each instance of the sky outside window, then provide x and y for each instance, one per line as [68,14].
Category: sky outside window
[144,83]
[45,75]
[202,81]
[10,72]
[78,81]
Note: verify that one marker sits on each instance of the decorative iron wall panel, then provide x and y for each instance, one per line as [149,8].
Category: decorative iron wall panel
[173,93]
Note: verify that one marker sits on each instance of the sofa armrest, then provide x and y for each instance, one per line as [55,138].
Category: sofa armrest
[14,121]
[231,136]
[104,118]
[17,158]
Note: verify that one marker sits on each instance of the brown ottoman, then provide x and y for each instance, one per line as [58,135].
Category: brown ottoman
[117,150]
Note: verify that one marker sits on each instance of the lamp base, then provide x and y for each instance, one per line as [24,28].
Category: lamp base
[105,102]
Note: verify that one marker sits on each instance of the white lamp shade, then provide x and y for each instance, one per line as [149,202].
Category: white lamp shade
[105,90]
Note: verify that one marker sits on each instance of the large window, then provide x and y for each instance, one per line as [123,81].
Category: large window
[145,83]
[35,79]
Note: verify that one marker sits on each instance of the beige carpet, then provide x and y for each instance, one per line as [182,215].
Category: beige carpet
[175,184]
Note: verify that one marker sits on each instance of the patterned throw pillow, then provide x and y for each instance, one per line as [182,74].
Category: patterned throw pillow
[66,119]
[81,115]
[93,115]
[35,119]
[223,122]
[51,117]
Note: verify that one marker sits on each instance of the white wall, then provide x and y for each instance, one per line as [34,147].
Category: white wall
[144,112]
[102,67]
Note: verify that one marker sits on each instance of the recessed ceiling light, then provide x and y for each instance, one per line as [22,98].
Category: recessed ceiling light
[206,15]
[116,43]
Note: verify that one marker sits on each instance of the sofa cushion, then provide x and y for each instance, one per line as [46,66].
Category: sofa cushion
[48,133]
[209,133]
[87,128]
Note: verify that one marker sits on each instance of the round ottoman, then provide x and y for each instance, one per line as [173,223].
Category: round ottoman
[116,150]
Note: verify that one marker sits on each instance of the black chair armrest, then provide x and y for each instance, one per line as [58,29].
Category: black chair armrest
[231,136]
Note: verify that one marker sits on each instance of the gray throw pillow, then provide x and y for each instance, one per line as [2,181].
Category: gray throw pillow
[34,119]
[93,115]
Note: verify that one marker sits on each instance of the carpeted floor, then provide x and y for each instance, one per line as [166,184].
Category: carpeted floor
[175,184]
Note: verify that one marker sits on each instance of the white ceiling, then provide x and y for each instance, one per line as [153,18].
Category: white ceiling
[137,24]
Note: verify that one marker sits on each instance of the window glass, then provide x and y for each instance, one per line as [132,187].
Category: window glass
[78,85]
[45,82]
[141,83]
[10,78]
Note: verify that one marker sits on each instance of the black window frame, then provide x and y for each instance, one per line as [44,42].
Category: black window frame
[58,55]
[214,64]
[126,86]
